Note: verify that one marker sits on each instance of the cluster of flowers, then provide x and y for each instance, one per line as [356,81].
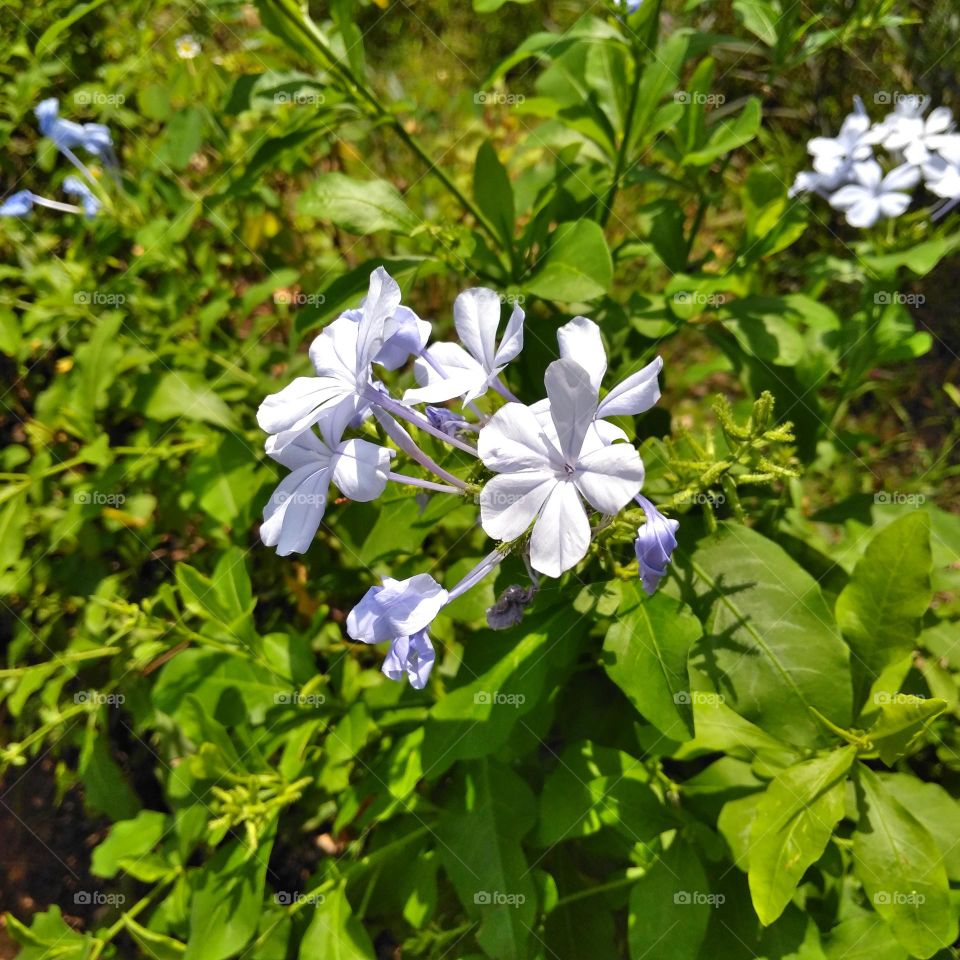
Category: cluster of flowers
[68,137]
[547,463]
[847,173]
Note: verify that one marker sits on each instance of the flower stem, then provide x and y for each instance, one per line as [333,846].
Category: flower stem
[426,484]
[397,409]
[485,566]
[406,443]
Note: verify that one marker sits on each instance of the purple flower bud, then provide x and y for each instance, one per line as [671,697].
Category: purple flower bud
[446,421]
[655,543]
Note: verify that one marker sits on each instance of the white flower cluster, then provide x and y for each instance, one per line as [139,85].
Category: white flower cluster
[847,172]
[549,464]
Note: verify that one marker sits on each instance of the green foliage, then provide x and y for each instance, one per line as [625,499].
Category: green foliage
[760,760]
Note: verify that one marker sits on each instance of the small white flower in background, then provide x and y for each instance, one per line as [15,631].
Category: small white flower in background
[187,47]
[833,155]
[542,472]
[917,138]
[446,370]
[291,517]
[874,196]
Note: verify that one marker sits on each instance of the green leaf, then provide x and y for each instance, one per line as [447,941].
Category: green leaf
[489,6]
[880,608]
[901,869]
[728,135]
[228,894]
[595,787]
[48,39]
[670,906]
[645,655]
[577,266]
[48,937]
[128,838]
[760,18]
[792,826]
[156,946]
[771,648]
[335,932]
[493,192]
[863,936]
[358,206]
[902,721]
[183,137]
[481,853]
[188,396]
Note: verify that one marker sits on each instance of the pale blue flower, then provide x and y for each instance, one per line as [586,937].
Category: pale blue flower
[655,543]
[412,656]
[93,137]
[18,204]
[77,188]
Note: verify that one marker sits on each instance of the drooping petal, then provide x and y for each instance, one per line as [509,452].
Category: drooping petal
[360,469]
[580,340]
[513,439]
[295,509]
[298,406]
[637,394]
[512,342]
[399,608]
[412,657]
[610,477]
[445,371]
[510,501]
[476,315]
[573,405]
[404,336]
[561,535]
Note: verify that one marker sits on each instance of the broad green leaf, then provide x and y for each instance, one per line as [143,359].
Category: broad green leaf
[48,937]
[577,264]
[335,932]
[863,936]
[595,787]
[105,787]
[792,826]
[771,649]
[735,824]
[902,721]
[493,192]
[645,654]
[96,368]
[880,608]
[128,838]
[156,946]
[901,869]
[182,139]
[48,39]
[228,893]
[760,18]
[670,906]
[358,206]
[481,832]
[188,396]
[728,135]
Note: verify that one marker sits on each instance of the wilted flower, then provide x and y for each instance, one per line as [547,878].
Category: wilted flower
[544,469]
[446,370]
[654,546]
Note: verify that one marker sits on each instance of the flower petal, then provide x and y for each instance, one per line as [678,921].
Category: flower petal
[580,340]
[476,315]
[865,213]
[404,336]
[360,469]
[610,477]
[399,608]
[307,448]
[513,440]
[295,509]
[893,204]
[381,302]
[638,393]
[510,501]
[445,371]
[512,342]
[298,406]
[573,405]
[904,177]
[561,534]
